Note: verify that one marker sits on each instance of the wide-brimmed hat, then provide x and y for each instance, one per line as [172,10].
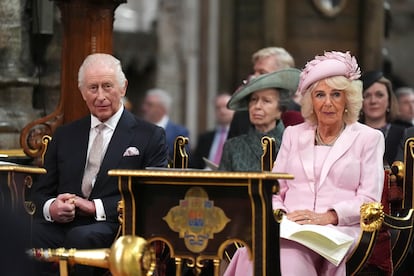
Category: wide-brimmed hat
[285,80]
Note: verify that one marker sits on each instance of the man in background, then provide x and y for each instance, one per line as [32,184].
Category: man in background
[210,144]
[155,109]
[405,97]
[265,61]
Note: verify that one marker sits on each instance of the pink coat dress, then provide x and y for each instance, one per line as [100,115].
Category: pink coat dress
[351,174]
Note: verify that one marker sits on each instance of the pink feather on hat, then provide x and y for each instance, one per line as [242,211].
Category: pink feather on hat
[331,64]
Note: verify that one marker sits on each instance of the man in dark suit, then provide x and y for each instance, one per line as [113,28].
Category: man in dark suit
[72,211]
[155,109]
[210,143]
[405,97]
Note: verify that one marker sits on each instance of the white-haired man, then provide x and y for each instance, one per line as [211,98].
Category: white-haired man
[155,109]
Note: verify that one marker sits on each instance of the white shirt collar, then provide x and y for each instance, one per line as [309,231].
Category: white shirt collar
[111,122]
[163,122]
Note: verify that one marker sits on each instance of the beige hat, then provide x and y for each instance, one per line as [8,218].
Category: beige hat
[285,80]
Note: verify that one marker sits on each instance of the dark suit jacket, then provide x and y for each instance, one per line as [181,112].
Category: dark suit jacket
[173,130]
[204,142]
[66,157]
[392,142]
[409,132]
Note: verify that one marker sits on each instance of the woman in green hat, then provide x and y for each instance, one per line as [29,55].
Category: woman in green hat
[264,97]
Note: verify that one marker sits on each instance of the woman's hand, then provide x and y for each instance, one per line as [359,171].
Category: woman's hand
[310,217]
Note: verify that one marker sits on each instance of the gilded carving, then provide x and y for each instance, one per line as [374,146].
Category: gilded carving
[372,216]
[196,219]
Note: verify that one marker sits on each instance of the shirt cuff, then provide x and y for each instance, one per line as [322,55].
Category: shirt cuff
[46,212]
[100,211]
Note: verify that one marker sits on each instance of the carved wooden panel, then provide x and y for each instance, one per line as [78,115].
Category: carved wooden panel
[198,213]
[87,28]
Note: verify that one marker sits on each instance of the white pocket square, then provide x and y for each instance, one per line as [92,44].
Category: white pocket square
[131,151]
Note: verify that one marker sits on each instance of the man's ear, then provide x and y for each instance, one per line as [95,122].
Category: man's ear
[124,89]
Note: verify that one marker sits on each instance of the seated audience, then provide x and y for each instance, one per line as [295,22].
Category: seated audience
[156,109]
[380,109]
[263,97]
[338,164]
[76,199]
[210,144]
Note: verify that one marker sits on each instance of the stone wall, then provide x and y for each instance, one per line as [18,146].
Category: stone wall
[29,69]
[400,41]
[16,81]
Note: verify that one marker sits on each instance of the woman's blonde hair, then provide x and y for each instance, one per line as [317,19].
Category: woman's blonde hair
[353,94]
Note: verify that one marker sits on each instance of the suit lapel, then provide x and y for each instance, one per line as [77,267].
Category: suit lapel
[119,142]
[344,142]
[306,153]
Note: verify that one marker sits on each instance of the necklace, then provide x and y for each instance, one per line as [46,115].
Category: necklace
[320,142]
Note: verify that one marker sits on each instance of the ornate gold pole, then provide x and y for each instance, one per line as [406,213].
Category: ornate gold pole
[129,255]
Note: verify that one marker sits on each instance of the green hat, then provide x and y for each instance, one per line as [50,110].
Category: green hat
[285,80]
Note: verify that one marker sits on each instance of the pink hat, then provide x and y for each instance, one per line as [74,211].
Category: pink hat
[330,64]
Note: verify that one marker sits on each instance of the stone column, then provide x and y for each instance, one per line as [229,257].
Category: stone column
[15,66]
[10,38]
[177,60]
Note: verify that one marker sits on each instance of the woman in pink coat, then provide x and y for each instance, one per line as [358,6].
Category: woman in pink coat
[337,164]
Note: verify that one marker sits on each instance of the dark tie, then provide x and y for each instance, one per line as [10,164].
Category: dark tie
[94,161]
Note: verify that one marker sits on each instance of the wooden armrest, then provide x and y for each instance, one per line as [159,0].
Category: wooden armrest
[372,217]
[404,226]
[269,155]
[180,159]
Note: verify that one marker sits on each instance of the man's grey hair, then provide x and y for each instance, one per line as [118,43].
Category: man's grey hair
[104,60]
[163,96]
[283,58]
[403,91]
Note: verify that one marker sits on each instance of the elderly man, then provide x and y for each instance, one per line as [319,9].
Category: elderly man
[405,96]
[76,200]
[155,109]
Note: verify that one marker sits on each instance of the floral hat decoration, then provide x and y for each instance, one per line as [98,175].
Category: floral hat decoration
[331,64]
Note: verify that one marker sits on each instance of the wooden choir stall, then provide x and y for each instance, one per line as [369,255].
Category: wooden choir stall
[15,183]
